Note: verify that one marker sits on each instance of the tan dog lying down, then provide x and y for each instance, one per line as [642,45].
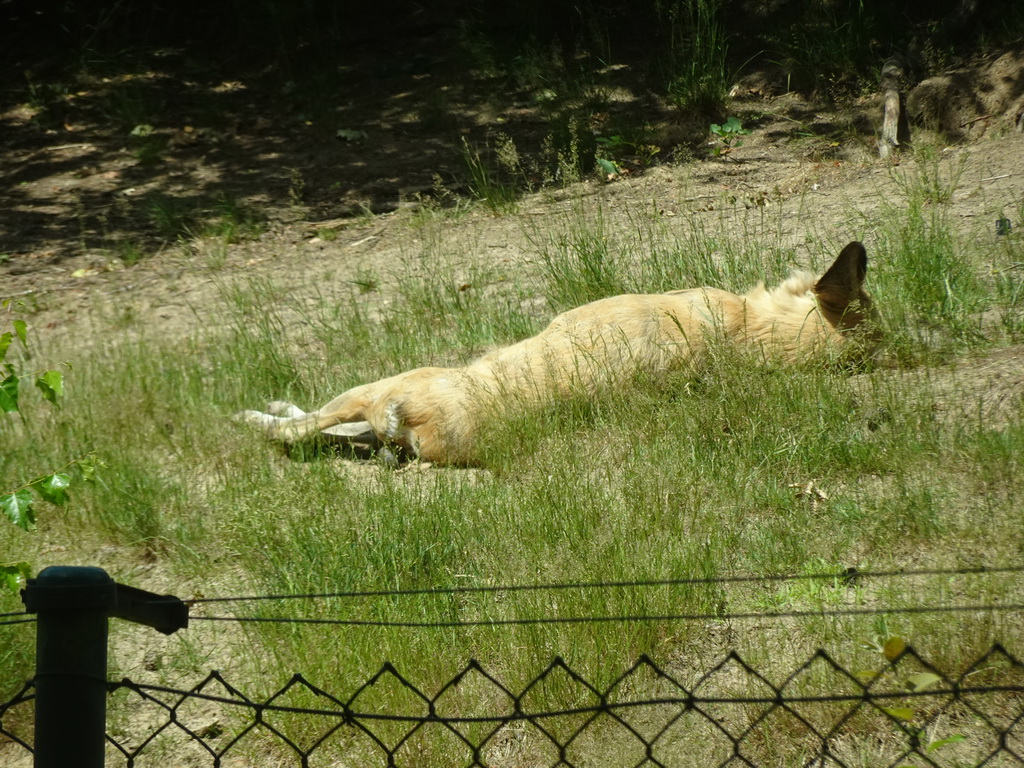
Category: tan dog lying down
[438,413]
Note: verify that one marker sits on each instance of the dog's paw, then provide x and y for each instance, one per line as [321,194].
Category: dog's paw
[285,409]
[255,418]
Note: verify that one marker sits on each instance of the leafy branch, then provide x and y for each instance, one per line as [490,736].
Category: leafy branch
[18,504]
[50,383]
[903,714]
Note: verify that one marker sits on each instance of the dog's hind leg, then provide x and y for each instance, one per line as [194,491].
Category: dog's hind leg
[355,436]
[286,423]
[293,424]
[371,414]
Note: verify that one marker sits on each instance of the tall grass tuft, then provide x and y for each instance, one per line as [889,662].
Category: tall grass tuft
[699,55]
[486,182]
[933,295]
[828,49]
[586,256]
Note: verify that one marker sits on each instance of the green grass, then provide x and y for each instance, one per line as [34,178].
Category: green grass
[937,284]
[487,184]
[699,76]
[828,50]
[741,469]
[586,257]
[224,218]
[201,225]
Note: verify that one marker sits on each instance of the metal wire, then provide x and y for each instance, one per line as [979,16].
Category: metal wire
[849,575]
[615,619]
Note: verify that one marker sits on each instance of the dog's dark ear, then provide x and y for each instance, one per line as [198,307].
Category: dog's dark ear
[841,284]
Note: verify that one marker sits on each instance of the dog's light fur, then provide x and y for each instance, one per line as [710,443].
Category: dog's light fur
[438,413]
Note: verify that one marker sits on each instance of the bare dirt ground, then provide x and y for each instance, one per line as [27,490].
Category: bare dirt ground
[85,202]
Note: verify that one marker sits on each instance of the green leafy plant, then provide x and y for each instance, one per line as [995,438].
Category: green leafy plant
[50,383]
[609,168]
[616,148]
[728,136]
[148,145]
[903,714]
[18,504]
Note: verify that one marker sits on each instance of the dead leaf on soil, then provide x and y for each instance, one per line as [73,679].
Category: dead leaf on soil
[810,490]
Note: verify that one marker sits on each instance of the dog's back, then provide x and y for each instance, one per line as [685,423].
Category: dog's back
[608,341]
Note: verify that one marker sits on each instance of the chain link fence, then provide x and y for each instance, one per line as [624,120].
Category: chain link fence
[908,713]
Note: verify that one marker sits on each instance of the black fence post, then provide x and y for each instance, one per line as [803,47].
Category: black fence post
[72,604]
